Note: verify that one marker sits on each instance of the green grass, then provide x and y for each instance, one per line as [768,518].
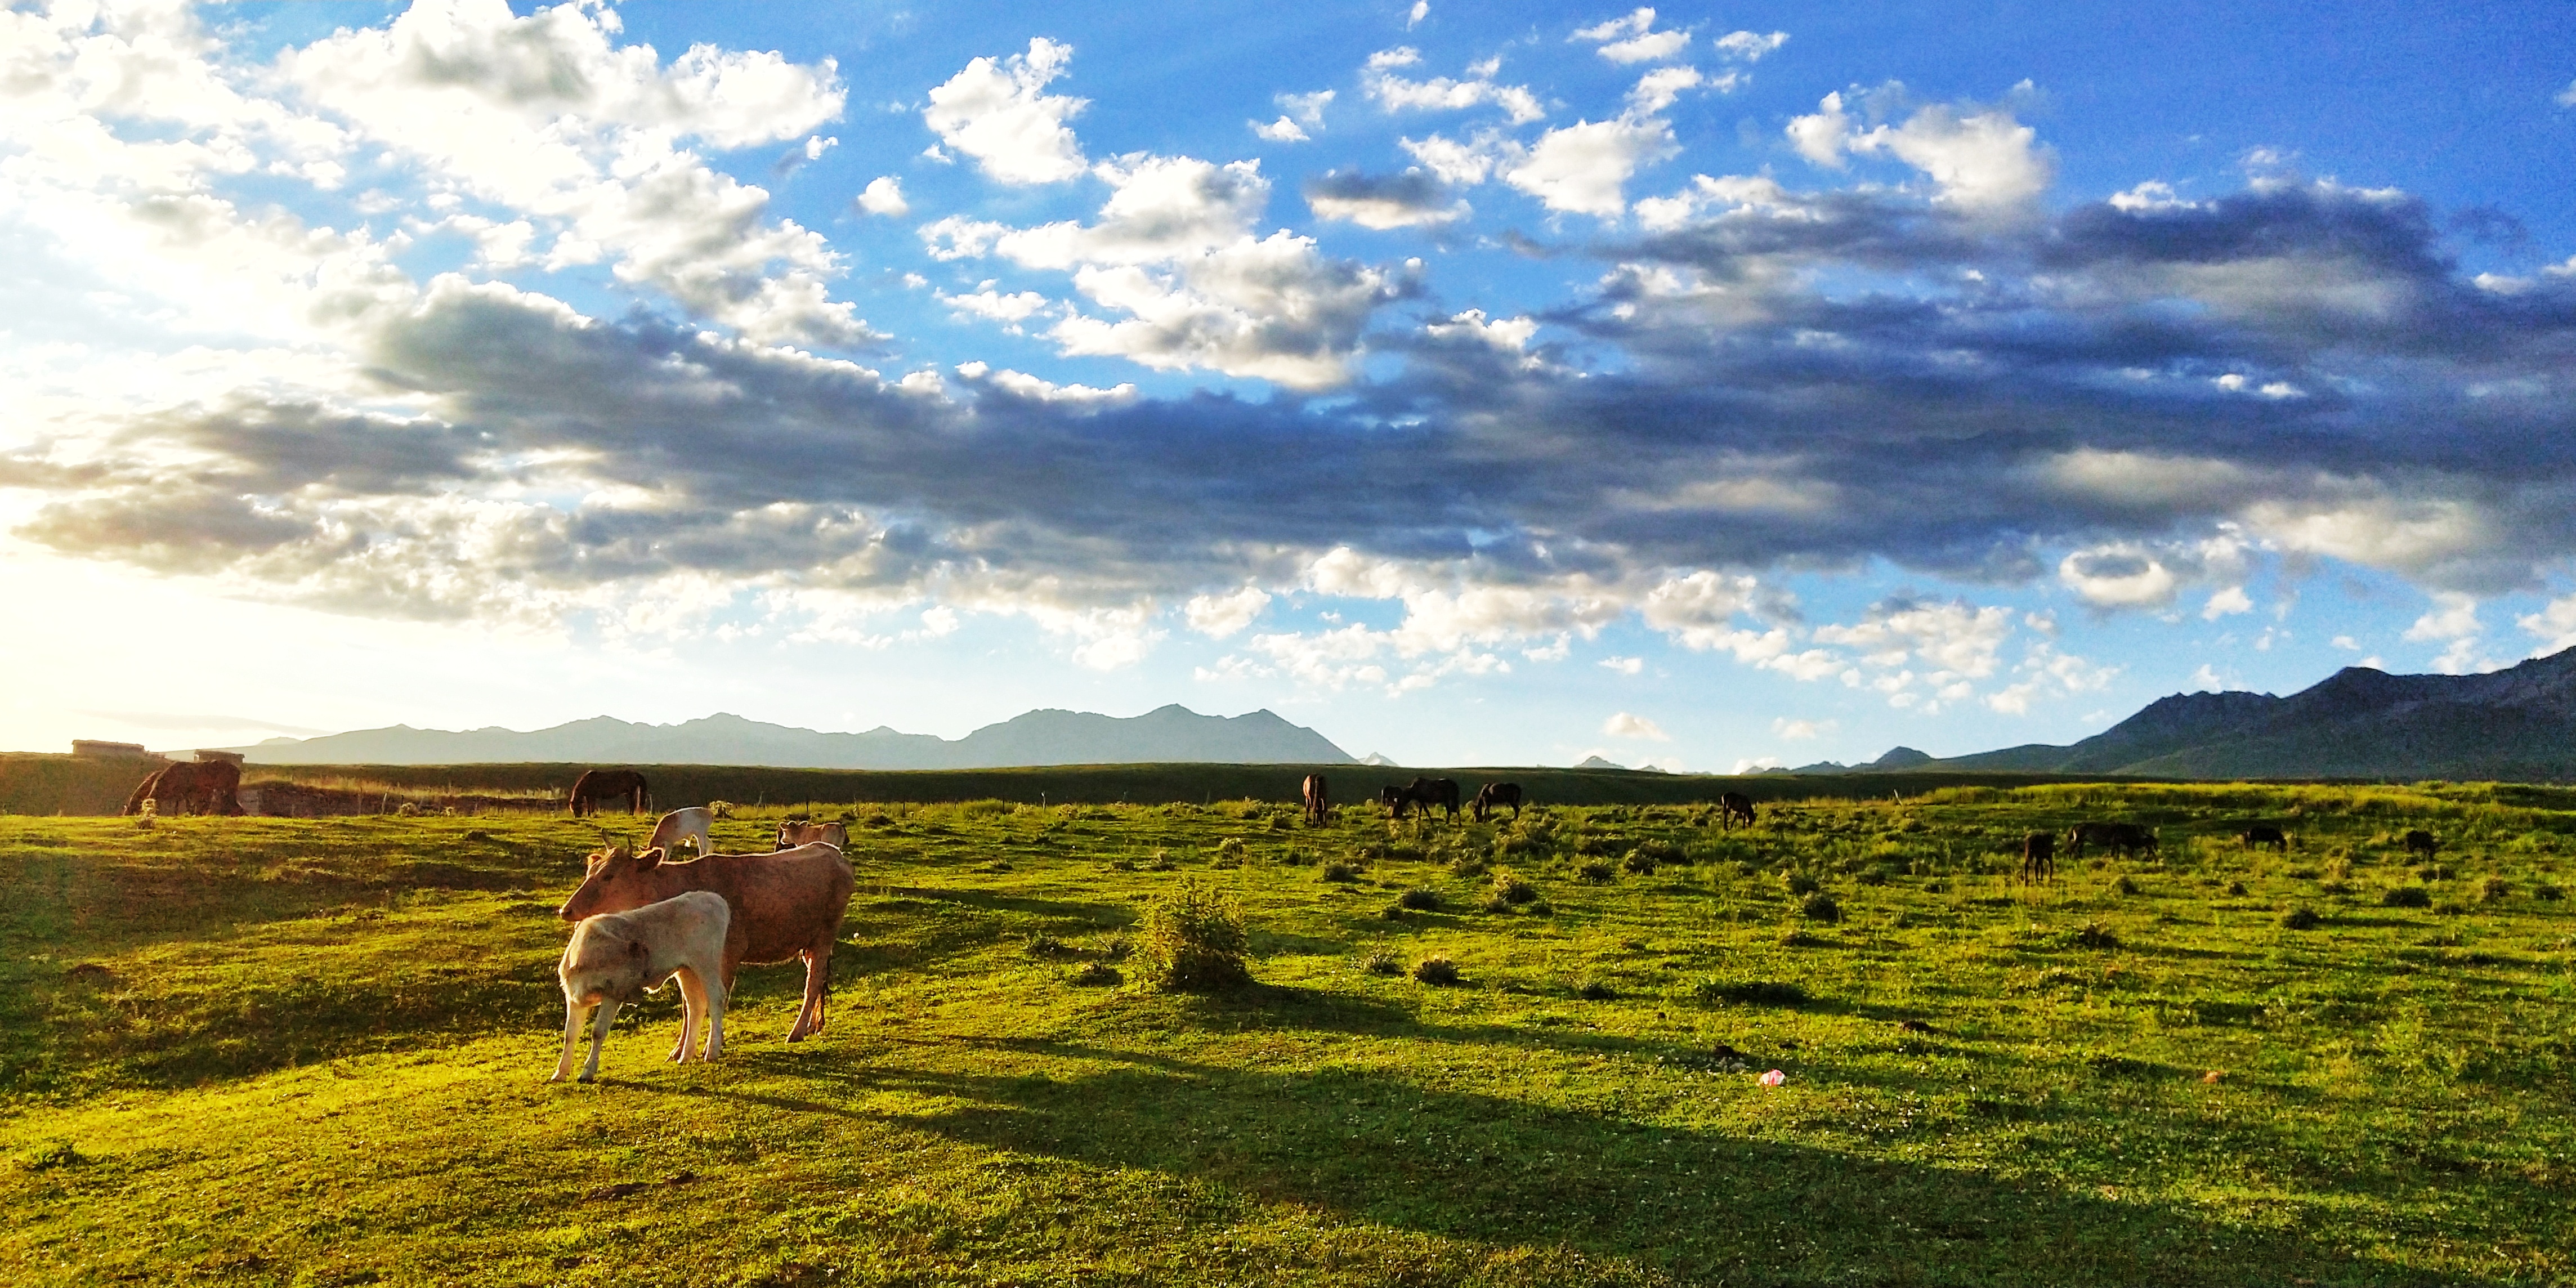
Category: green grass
[312,1051]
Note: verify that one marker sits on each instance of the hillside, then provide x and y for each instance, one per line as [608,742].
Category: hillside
[1170,734]
[2517,724]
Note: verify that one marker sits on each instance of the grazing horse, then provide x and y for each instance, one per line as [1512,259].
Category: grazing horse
[2127,838]
[1425,793]
[209,787]
[2264,834]
[2039,856]
[1734,808]
[1318,799]
[597,785]
[1492,797]
[2422,842]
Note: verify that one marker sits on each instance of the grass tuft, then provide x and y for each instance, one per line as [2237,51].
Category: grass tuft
[1437,971]
[1194,941]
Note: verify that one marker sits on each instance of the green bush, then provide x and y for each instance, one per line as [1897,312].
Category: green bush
[1421,899]
[1382,964]
[2493,889]
[1750,992]
[1595,872]
[2406,897]
[1339,872]
[1508,887]
[2301,919]
[1593,990]
[1194,941]
[1799,883]
[1640,862]
[1820,907]
[1436,970]
[1096,975]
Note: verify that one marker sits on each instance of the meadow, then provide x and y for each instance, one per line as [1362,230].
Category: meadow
[312,1051]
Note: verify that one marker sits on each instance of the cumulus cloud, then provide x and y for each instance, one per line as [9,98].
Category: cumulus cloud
[884,196]
[1750,46]
[1384,82]
[1980,159]
[1624,725]
[1408,200]
[1218,616]
[999,114]
[1633,39]
[1802,730]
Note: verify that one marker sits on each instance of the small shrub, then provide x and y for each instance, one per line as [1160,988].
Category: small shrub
[2094,934]
[1162,862]
[2126,886]
[1796,938]
[2406,897]
[1542,908]
[2235,890]
[1381,964]
[1230,848]
[50,1155]
[1593,990]
[1640,862]
[1049,946]
[1820,907]
[2301,919]
[1595,872]
[2548,892]
[1194,940]
[1096,975]
[408,809]
[1123,865]
[720,809]
[1421,899]
[1438,971]
[1750,992]
[1466,867]
[1339,872]
[2493,889]
[1507,886]
[1799,883]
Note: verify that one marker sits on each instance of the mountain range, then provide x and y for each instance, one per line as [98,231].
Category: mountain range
[2516,725]
[1166,734]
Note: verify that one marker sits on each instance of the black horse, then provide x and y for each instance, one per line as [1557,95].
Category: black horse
[1427,793]
[608,785]
[1492,797]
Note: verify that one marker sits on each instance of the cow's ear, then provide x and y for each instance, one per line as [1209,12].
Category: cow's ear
[649,860]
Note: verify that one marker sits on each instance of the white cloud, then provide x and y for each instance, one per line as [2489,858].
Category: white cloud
[1421,10]
[2238,383]
[1507,335]
[1624,725]
[1020,384]
[1306,109]
[1957,638]
[2566,97]
[1623,665]
[1441,93]
[2453,616]
[1455,162]
[2555,624]
[2119,575]
[1657,89]
[1750,46]
[1583,168]
[1982,160]
[2347,644]
[1218,616]
[2207,681]
[997,114]
[2231,600]
[1282,130]
[1633,39]
[884,196]
[1802,730]
[1756,764]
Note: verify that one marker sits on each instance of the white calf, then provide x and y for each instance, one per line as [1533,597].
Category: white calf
[614,957]
[682,824]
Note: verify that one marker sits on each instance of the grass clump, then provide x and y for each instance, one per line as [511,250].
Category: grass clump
[1750,992]
[1593,990]
[1509,889]
[1439,972]
[1799,883]
[2301,919]
[2093,934]
[1421,899]
[1096,975]
[1595,872]
[1640,862]
[1820,907]
[1338,871]
[1381,964]
[1194,941]
[2406,897]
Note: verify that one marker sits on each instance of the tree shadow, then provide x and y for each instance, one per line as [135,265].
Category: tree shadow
[1505,1174]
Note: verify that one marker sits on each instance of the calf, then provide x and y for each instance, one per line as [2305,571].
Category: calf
[796,832]
[2039,856]
[614,957]
[784,906]
[2422,842]
[2265,834]
[691,825]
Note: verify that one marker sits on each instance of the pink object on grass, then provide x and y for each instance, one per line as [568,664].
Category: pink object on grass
[1774,1078]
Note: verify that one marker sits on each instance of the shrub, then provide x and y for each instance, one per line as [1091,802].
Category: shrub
[2406,897]
[1381,964]
[1421,899]
[720,809]
[1820,907]
[2548,892]
[1436,970]
[1339,872]
[1640,862]
[1593,990]
[2094,934]
[1750,992]
[1096,975]
[1162,862]
[1194,940]
[1230,848]
[2235,890]
[1507,886]
[1466,867]
[2493,889]
[2301,919]
[2126,886]
[1595,872]
[1796,938]
[408,809]
[1799,883]
[1542,908]
[1123,865]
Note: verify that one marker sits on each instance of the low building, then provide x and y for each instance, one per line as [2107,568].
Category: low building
[108,750]
[211,756]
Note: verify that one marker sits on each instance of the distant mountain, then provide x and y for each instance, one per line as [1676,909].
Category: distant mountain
[1595,762]
[2516,724]
[1376,758]
[1896,758]
[1166,734]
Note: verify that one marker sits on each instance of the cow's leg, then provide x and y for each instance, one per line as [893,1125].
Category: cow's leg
[607,1014]
[716,997]
[818,980]
[693,1004]
[574,1014]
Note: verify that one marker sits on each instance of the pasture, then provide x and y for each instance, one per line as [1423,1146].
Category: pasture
[312,1051]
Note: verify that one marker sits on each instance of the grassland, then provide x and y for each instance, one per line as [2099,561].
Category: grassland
[311,1052]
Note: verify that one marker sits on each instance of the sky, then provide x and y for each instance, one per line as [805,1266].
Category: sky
[1711,387]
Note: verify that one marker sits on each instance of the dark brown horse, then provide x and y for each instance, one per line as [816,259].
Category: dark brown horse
[2127,838]
[2039,856]
[1492,797]
[211,787]
[597,785]
[1734,808]
[1426,793]
[1318,800]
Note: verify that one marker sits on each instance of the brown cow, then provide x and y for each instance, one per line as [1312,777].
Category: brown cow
[596,785]
[1318,799]
[793,832]
[784,905]
[212,787]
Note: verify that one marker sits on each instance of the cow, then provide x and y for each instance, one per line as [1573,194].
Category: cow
[596,785]
[2039,856]
[1318,798]
[209,787]
[614,957]
[2422,842]
[2264,834]
[2127,838]
[1492,797]
[784,905]
[793,832]
[694,825]
[1734,808]
[1425,793]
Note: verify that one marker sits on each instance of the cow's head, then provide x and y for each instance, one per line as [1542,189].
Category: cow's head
[614,882]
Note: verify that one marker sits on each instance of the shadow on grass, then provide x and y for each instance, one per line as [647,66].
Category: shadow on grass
[1505,1174]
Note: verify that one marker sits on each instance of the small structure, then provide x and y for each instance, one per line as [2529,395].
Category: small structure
[213,756]
[92,747]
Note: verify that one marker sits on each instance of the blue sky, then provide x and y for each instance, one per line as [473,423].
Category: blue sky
[1710,386]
